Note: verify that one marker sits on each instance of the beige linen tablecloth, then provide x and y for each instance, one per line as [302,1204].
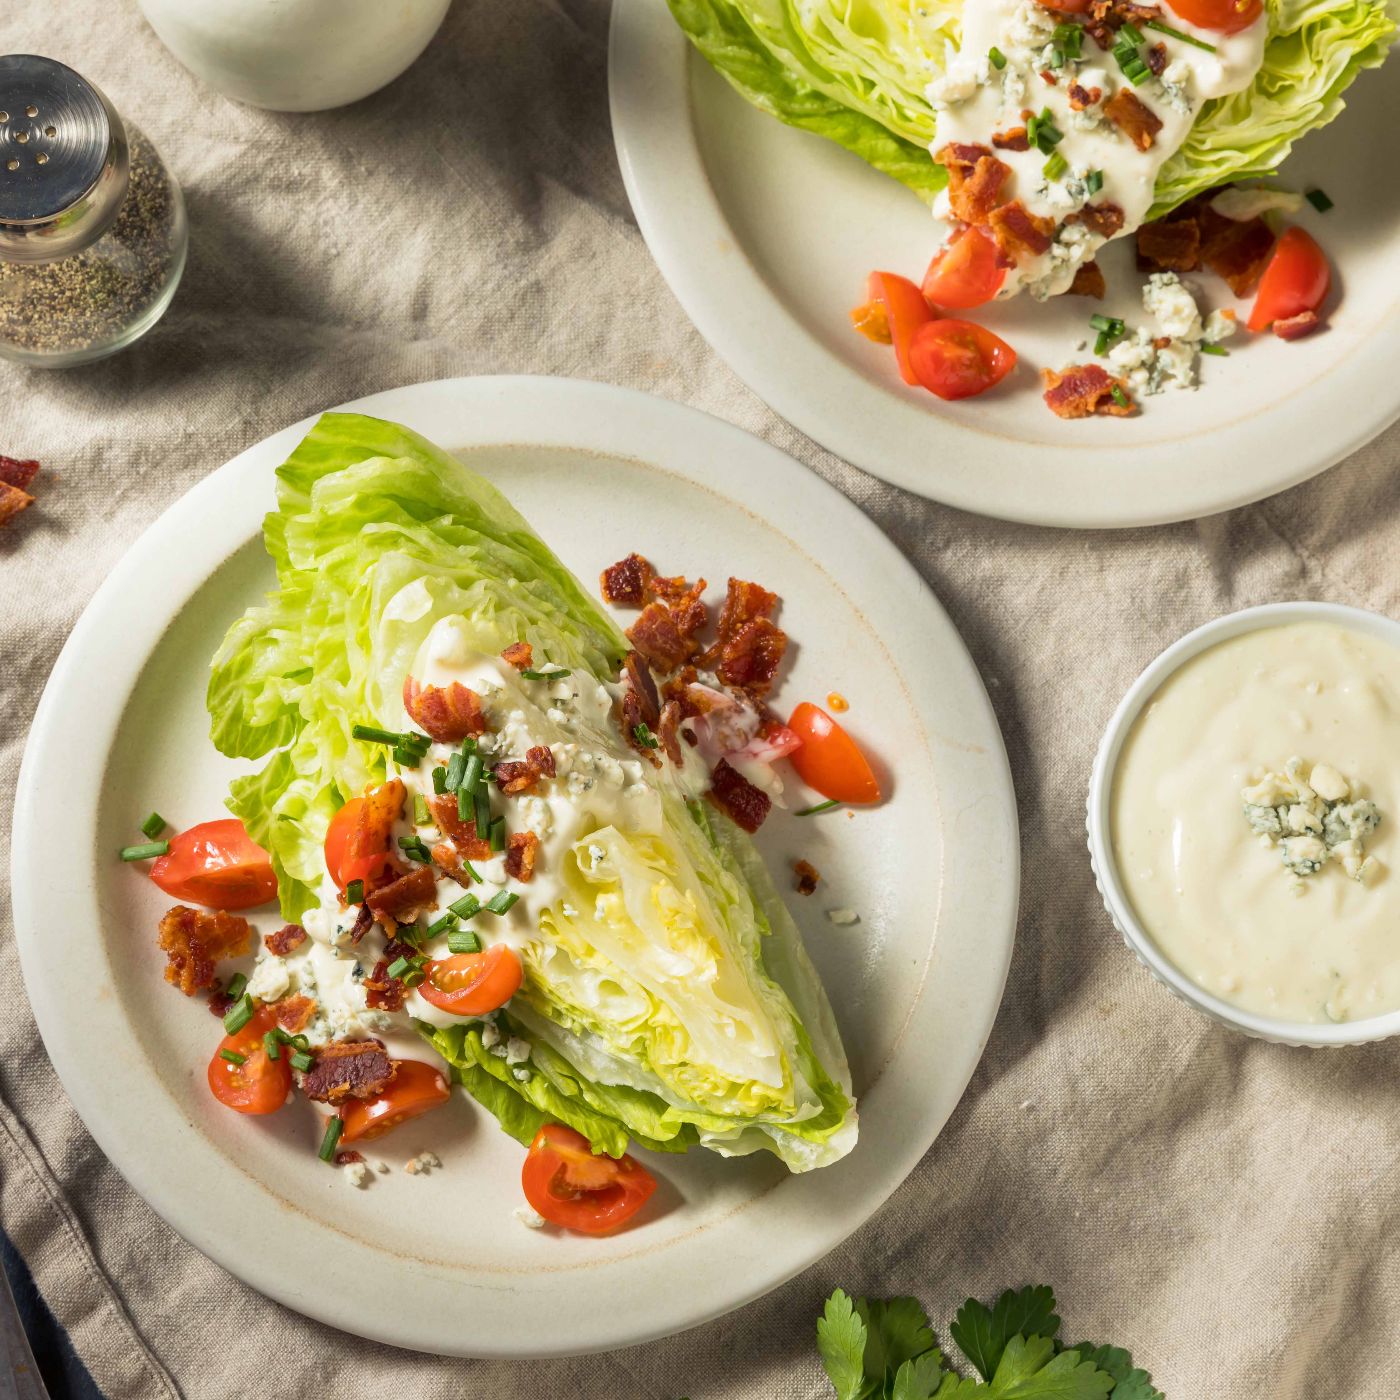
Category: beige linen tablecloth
[1224,1207]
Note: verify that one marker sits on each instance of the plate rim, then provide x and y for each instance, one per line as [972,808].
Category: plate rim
[691,241]
[38,810]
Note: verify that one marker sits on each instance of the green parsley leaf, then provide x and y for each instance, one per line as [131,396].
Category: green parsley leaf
[1030,1370]
[918,1379]
[1130,1382]
[897,1331]
[841,1338]
[983,1332]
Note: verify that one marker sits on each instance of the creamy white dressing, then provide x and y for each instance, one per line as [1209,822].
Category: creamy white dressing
[1214,894]
[975,101]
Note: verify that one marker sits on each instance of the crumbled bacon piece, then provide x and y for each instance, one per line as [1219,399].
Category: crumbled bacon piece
[541,759]
[1014,140]
[1088,281]
[447,714]
[734,794]
[644,683]
[517,776]
[624,584]
[12,501]
[689,610]
[1134,118]
[1296,327]
[807,876]
[294,1014]
[348,1069]
[364,920]
[285,940]
[668,731]
[522,850]
[1081,97]
[743,603]
[1157,59]
[1085,391]
[1047,76]
[195,940]
[750,659]
[462,834]
[219,999]
[403,901]
[1172,244]
[633,725]
[17,473]
[382,992]
[975,178]
[349,1157]
[1105,219]
[521,655]
[451,862]
[1237,250]
[660,639]
[1018,231]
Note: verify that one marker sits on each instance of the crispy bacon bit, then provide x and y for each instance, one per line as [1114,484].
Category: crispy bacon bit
[734,794]
[445,713]
[522,850]
[541,759]
[1085,391]
[12,501]
[382,992]
[17,473]
[624,584]
[462,834]
[1134,118]
[807,876]
[1105,219]
[1088,281]
[349,1157]
[644,683]
[632,722]
[750,659]
[364,921]
[348,1069]
[1014,140]
[1296,327]
[288,937]
[689,611]
[195,940]
[1236,250]
[1160,342]
[1018,231]
[517,776]
[403,901]
[743,603]
[294,1014]
[668,731]
[521,655]
[449,860]
[1047,76]
[975,178]
[660,639]
[1082,97]
[1172,244]
[219,999]
[1157,59]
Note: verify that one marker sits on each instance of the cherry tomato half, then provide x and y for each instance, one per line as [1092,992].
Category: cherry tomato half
[905,311]
[1224,16]
[1067,7]
[966,273]
[830,760]
[1295,280]
[359,840]
[258,1085]
[216,864]
[471,984]
[957,359]
[414,1090]
[570,1185]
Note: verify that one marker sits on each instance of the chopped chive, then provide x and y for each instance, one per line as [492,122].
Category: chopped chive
[996,58]
[1047,134]
[149,851]
[232,1056]
[1118,396]
[301,1060]
[470,871]
[443,925]
[372,734]
[406,757]
[155,823]
[1069,39]
[463,940]
[456,766]
[239,1014]
[1093,181]
[300,1042]
[1055,166]
[819,807]
[355,892]
[1132,31]
[271,1048]
[439,780]
[472,774]
[237,984]
[415,849]
[1057,56]
[1177,34]
[421,815]
[412,739]
[501,902]
[1316,198]
[334,1127]
[1210,348]
[465,803]
[1032,129]
[643,735]
[467,907]
[1112,324]
[546,675]
[1102,343]
[496,834]
[399,966]
[481,809]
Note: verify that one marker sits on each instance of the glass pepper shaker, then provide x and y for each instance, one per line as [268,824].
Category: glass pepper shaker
[92,225]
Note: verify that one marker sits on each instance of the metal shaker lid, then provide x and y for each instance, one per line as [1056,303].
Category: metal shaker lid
[63,160]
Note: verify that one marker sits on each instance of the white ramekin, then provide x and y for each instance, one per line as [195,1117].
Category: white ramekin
[1115,899]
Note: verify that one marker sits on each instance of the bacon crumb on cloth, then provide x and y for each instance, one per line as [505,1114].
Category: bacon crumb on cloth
[15,478]
[521,655]
[447,714]
[807,876]
[195,940]
[624,584]
[522,850]
[734,794]
[403,901]
[461,833]
[975,178]
[287,938]
[1134,118]
[516,775]
[348,1069]
[1085,391]
[1088,281]
[1296,327]
[294,1014]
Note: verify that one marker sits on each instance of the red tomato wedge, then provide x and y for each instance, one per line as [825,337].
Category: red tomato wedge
[1223,16]
[471,984]
[1067,7]
[258,1085]
[1296,279]
[359,840]
[966,273]
[218,865]
[570,1185]
[830,760]
[958,360]
[415,1089]
[905,311]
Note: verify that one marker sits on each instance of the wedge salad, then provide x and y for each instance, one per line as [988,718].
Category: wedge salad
[1039,131]
[509,843]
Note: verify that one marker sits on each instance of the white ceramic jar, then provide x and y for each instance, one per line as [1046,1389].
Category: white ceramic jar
[296,55]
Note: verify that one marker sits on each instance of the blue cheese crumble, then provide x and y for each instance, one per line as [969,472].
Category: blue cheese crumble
[1312,820]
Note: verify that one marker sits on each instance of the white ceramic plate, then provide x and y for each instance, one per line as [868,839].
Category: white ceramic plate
[442,1261]
[766,235]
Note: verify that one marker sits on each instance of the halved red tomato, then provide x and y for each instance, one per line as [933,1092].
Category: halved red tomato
[830,760]
[957,359]
[1067,7]
[1224,16]
[256,1084]
[965,273]
[415,1089]
[571,1185]
[216,864]
[360,838]
[471,984]
[905,311]
[1296,279]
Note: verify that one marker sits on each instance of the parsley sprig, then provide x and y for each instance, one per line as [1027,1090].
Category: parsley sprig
[884,1349]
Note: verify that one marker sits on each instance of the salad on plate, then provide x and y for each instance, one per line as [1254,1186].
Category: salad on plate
[1041,130]
[509,843]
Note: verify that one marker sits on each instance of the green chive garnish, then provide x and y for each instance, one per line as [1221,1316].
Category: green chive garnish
[496,834]
[481,810]
[372,734]
[149,851]
[546,675]
[501,902]
[399,966]
[470,871]
[996,58]
[301,1060]
[239,1014]
[232,1056]
[1111,324]
[271,1049]
[643,735]
[421,815]
[355,892]
[472,773]
[465,803]
[406,757]
[236,985]
[1102,343]
[1032,129]
[1093,181]
[1118,396]
[439,780]
[1055,166]
[456,766]
[1213,349]
[1132,31]
[155,823]
[415,849]
[1316,198]
[443,925]
[466,907]
[463,940]
[1177,34]
[1057,57]
[334,1127]
[819,807]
